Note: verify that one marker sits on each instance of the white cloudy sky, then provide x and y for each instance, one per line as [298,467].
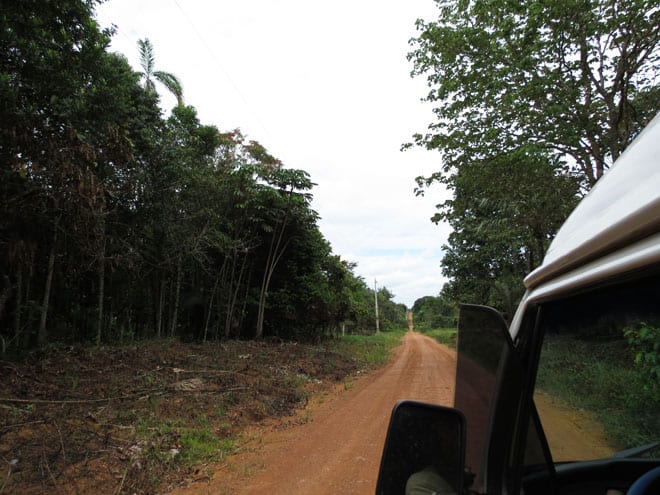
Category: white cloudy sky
[325,87]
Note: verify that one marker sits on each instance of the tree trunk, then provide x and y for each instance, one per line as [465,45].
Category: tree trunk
[209,311]
[30,316]
[41,335]
[159,310]
[245,298]
[274,255]
[228,312]
[177,293]
[19,307]
[5,293]
[101,282]
[233,296]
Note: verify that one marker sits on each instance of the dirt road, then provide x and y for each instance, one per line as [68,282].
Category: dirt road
[335,445]
[338,448]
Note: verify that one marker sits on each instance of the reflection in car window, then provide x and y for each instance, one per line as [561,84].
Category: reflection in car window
[482,341]
[598,383]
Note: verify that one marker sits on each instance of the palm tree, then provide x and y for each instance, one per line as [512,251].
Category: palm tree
[170,81]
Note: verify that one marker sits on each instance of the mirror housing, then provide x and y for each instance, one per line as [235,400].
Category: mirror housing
[424,450]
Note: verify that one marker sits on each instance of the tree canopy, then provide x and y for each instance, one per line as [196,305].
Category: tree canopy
[533,101]
[578,78]
[149,72]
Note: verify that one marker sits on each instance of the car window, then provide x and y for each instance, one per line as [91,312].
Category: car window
[598,384]
[482,342]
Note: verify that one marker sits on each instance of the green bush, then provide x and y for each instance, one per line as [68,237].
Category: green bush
[645,342]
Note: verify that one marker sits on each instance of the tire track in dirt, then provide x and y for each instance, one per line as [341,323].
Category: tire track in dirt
[339,447]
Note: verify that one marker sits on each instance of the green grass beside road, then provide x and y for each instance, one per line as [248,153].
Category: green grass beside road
[368,350]
[446,336]
[601,377]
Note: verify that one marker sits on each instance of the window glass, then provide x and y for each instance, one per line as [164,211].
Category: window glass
[482,342]
[598,384]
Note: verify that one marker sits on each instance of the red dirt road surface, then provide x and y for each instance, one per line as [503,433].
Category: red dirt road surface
[338,448]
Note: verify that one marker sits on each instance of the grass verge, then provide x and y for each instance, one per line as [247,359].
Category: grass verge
[369,351]
[600,377]
[446,336]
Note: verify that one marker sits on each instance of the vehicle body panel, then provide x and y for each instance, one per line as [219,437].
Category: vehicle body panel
[621,208]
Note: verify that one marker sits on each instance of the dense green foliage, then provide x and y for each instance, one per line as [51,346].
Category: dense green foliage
[432,312]
[533,101]
[437,317]
[392,316]
[118,223]
[644,339]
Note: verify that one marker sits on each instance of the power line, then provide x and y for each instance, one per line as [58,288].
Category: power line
[217,61]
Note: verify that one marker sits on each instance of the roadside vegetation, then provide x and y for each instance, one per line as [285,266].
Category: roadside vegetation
[121,222]
[602,378]
[437,317]
[446,336]
[144,417]
[369,350]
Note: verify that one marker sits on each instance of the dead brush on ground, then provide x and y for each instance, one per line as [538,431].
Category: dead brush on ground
[139,418]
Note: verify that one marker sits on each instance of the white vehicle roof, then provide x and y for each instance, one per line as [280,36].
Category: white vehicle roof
[615,229]
[623,207]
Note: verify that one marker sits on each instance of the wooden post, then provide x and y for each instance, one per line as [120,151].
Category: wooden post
[376,299]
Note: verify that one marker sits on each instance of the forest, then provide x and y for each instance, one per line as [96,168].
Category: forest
[122,222]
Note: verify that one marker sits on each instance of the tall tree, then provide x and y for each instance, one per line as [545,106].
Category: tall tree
[578,77]
[529,97]
[150,74]
[117,224]
[504,212]
[286,196]
[432,312]
[54,146]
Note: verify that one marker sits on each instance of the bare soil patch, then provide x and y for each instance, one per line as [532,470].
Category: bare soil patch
[138,419]
[572,434]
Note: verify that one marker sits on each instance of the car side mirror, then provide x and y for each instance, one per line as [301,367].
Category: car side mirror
[424,451]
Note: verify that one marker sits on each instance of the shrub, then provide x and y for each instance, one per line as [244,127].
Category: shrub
[645,342]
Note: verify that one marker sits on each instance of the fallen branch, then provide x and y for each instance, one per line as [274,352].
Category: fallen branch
[61,440]
[2,488]
[123,478]
[82,401]
[158,391]
[209,372]
[15,425]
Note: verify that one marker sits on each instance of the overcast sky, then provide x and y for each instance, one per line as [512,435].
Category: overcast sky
[325,87]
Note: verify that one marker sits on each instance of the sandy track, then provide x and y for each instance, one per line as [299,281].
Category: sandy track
[338,448]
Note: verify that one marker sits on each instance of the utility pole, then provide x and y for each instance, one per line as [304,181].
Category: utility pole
[376,299]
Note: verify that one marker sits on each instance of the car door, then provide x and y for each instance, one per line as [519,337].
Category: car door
[489,390]
[590,359]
